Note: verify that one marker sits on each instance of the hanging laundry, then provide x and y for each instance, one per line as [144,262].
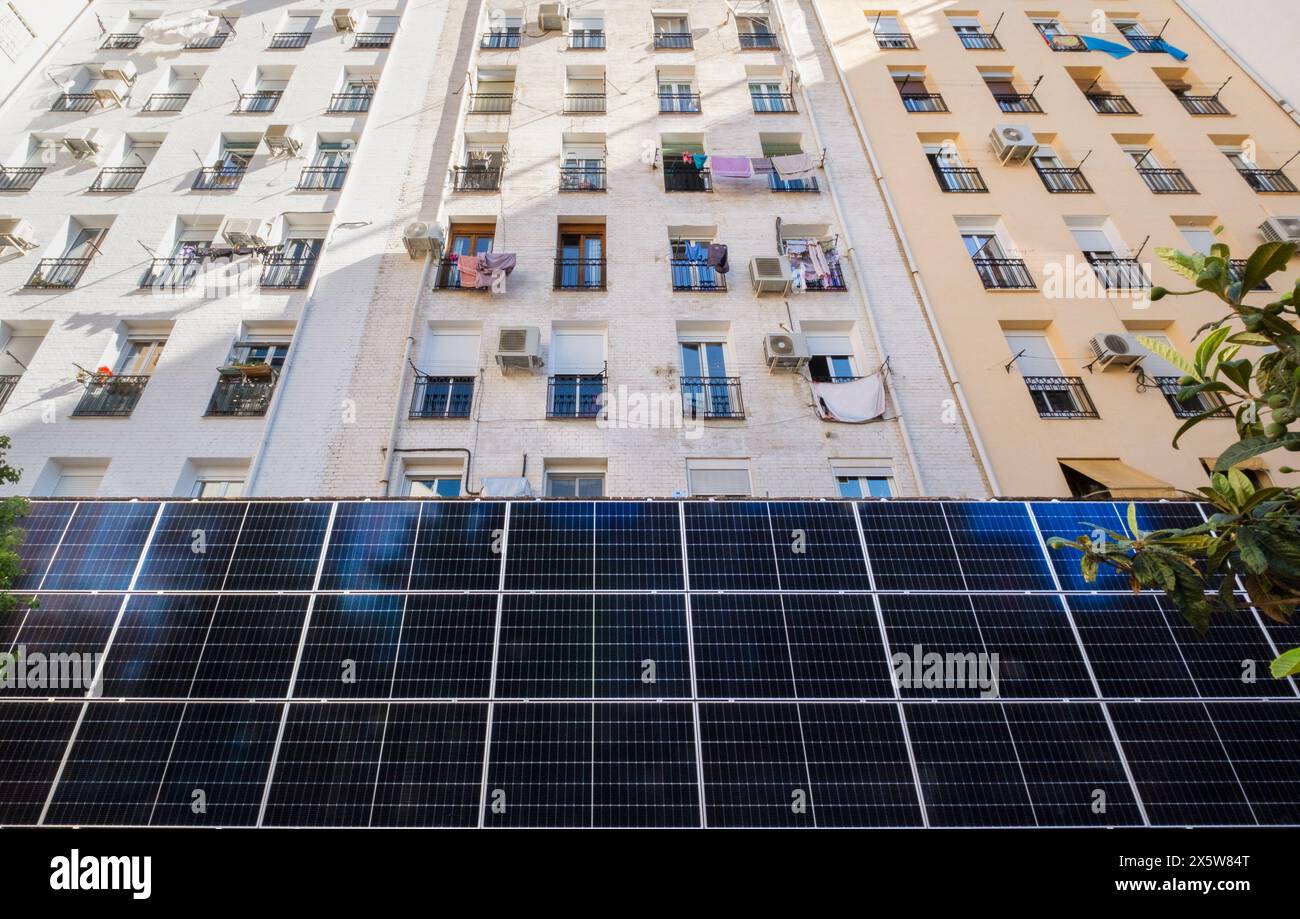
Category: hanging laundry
[794,166]
[1117,51]
[494,266]
[694,251]
[798,271]
[467,268]
[716,258]
[732,167]
[1177,54]
[817,257]
[854,402]
[688,159]
[762,165]
[699,159]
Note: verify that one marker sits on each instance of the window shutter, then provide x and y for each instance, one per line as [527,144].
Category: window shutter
[577,352]
[454,354]
[829,344]
[77,486]
[720,481]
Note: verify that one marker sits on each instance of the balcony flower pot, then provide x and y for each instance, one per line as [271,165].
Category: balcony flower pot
[248,371]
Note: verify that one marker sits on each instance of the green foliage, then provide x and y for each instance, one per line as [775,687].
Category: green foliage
[1250,361]
[11,535]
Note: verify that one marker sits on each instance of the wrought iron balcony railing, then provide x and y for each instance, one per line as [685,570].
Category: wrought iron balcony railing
[759,41]
[895,41]
[8,382]
[448,277]
[289,41]
[776,183]
[1167,181]
[58,273]
[960,179]
[712,397]
[1111,104]
[165,102]
[1061,397]
[503,39]
[117,178]
[832,282]
[696,275]
[476,178]
[112,397]
[924,102]
[373,41]
[264,100]
[442,397]
[207,42]
[765,103]
[679,103]
[286,273]
[73,102]
[121,41]
[584,103]
[579,273]
[587,39]
[1062,181]
[582,178]
[1004,273]
[19,178]
[240,395]
[1268,181]
[673,40]
[1203,105]
[1119,273]
[681,177]
[575,395]
[1198,404]
[490,103]
[979,41]
[1018,103]
[1067,43]
[218,178]
[349,103]
[322,178]
[170,274]
[1146,44]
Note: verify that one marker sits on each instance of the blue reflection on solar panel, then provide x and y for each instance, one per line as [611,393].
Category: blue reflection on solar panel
[101,547]
[250,648]
[191,546]
[43,525]
[1070,520]
[817,546]
[157,646]
[371,545]
[458,546]
[65,624]
[279,546]
[351,647]
[997,547]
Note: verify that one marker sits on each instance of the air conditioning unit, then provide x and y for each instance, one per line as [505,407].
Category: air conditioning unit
[243,231]
[785,351]
[17,233]
[422,239]
[1281,229]
[769,275]
[1013,143]
[1116,349]
[118,70]
[283,140]
[551,16]
[519,348]
[82,146]
[110,92]
[343,20]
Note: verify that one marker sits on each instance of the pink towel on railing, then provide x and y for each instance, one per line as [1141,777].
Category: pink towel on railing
[732,167]
[467,268]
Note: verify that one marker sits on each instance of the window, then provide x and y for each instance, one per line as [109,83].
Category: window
[672,31]
[890,34]
[577,381]
[952,173]
[678,95]
[575,485]
[586,30]
[867,484]
[915,94]
[972,34]
[707,391]
[580,257]
[1165,376]
[77,484]
[420,485]
[785,144]
[1054,394]
[141,356]
[218,488]
[718,477]
[689,257]
[464,239]
[18,352]
[583,167]
[769,95]
[755,33]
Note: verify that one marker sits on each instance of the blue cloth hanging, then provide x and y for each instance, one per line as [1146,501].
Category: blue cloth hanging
[1119,52]
[695,251]
[1177,54]
[700,159]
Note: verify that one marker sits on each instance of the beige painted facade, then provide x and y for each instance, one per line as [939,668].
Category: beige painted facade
[1041,290]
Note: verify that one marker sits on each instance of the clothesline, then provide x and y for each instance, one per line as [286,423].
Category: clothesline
[736,166]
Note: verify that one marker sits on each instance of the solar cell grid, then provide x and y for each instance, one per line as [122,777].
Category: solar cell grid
[546,647]
[192,546]
[279,546]
[996,546]
[1133,652]
[431,766]
[1070,520]
[249,649]
[741,647]
[459,546]
[101,546]
[43,529]
[1262,740]
[835,647]
[68,630]
[157,646]
[909,546]
[638,546]
[755,769]
[641,647]
[445,647]
[729,546]
[33,736]
[372,544]
[351,647]
[817,546]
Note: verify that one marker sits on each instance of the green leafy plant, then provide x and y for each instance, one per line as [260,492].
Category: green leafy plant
[11,535]
[1248,363]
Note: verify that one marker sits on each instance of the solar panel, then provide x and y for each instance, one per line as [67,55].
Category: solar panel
[1070,520]
[623,664]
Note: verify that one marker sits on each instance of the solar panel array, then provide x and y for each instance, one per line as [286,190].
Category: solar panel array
[625,664]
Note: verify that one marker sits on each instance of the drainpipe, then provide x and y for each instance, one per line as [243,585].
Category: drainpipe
[926,305]
[386,473]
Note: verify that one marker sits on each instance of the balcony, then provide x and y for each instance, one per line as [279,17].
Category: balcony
[1065,42]
[264,100]
[1268,181]
[1197,405]
[476,178]
[243,392]
[1167,181]
[490,103]
[1004,273]
[74,102]
[349,103]
[575,395]
[8,382]
[1237,273]
[593,39]
[170,274]
[960,179]
[832,282]
[165,102]
[1203,105]
[218,178]
[1118,273]
[681,177]
[1018,103]
[289,41]
[712,397]
[582,178]
[776,183]
[924,102]
[1062,181]
[1111,104]
[373,41]
[759,41]
[1146,44]
[117,178]
[773,102]
[505,39]
[322,178]
[696,275]
[1061,397]
[113,396]
[281,273]
[894,41]
[442,397]
[19,178]
[448,277]
[58,273]
[979,41]
[679,103]
[121,41]
[207,42]
[584,103]
[673,41]
[579,273]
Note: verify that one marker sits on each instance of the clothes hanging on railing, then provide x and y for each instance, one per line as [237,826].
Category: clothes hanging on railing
[762,165]
[716,258]
[732,167]
[854,402]
[700,160]
[494,266]
[467,270]
[1119,52]
[794,166]
[821,267]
